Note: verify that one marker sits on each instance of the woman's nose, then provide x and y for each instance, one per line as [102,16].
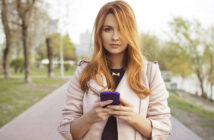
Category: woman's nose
[115,35]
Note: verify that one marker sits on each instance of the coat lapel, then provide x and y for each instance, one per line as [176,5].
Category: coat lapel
[95,87]
[123,88]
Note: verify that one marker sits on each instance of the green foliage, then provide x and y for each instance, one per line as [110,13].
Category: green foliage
[69,67]
[150,46]
[189,36]
[68,48]
[18,65]
[209,58]
[41,52]
[176,59]
[209,55]
[152,49]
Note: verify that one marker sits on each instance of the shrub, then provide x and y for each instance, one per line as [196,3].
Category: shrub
[18,65]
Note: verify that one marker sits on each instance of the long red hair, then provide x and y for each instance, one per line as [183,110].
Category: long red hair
[132,62]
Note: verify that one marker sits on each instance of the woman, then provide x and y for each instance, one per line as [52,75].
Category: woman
[117,65]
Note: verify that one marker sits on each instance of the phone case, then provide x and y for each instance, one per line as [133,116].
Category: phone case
[110,95]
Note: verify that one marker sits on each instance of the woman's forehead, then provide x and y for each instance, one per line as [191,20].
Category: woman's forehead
[111,21]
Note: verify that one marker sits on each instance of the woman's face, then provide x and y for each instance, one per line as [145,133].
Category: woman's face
[112,40]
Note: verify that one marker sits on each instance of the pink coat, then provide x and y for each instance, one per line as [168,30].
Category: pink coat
[154,107]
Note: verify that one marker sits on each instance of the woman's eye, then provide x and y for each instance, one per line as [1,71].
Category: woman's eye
[107,29]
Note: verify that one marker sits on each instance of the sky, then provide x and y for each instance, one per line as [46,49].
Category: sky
[153,16]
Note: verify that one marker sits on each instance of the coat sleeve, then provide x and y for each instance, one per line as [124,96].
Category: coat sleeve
[158,110]
[73,105]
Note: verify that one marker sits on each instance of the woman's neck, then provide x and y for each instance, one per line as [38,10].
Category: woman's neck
[117,61]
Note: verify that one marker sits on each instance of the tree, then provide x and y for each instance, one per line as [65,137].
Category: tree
[25,11]
[28,24]
[39,28]
[12,30]
[7,31]
[150,46]
[68,48]
[37,31]
[50,56]
[209,57]
[189,37]
[176,60]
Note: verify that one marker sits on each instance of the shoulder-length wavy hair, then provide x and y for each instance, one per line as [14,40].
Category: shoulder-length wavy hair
[100,64]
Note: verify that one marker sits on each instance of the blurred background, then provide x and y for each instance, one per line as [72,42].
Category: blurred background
[41,42]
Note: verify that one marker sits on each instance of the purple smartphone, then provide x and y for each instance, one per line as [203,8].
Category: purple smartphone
[110,95]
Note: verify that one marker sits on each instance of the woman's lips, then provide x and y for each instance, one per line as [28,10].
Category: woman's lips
[115,45]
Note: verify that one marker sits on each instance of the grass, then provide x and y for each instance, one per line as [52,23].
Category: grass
[43,72]
[208,125]
[16,97]
[177,102]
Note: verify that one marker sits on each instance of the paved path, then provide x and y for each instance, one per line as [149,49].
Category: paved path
[180,132]
[41,120]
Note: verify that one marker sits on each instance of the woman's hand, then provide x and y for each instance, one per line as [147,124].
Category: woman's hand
[81,125]
[124,112]
[99,113]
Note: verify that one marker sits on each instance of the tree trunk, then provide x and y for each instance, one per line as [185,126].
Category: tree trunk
[50,57]
[26,52]
[6,64]
[203,94]
[211,72]
[211,91]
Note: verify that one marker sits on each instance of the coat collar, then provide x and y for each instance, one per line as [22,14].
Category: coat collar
[95,87]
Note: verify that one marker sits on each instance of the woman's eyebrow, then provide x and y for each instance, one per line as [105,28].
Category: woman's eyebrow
[107,26]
